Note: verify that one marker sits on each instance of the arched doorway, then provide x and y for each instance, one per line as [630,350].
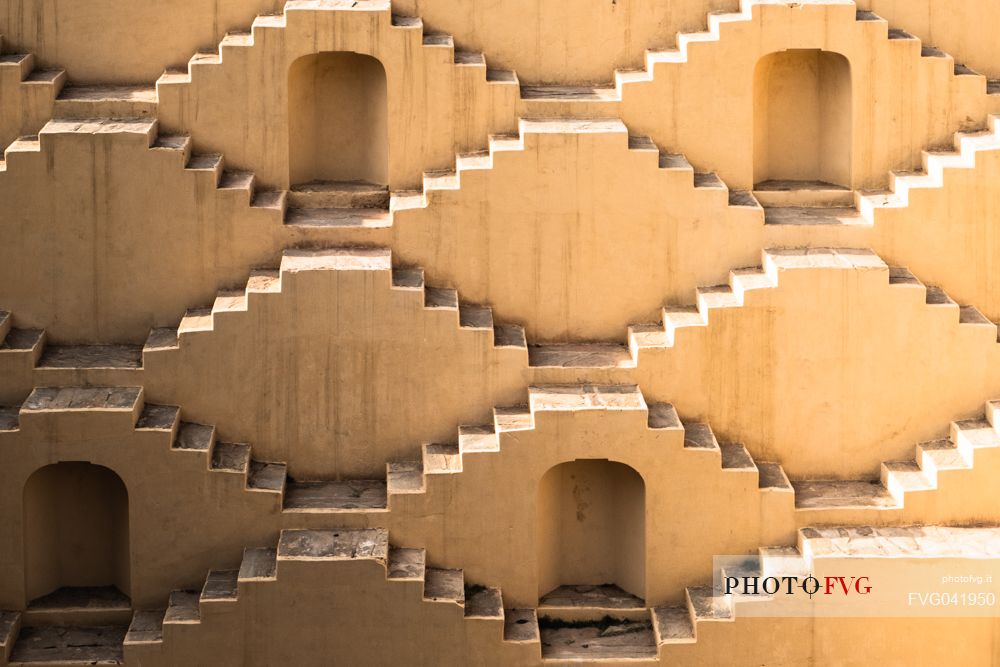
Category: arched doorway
[76,535]
[802,120]
[591,531]
[338,120]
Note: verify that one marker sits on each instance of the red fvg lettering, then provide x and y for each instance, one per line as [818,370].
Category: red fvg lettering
[855,584]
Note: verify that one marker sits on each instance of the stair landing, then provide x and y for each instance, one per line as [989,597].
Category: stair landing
[773,193]
[58,645]
[80,606]
[608,639]
[604,596]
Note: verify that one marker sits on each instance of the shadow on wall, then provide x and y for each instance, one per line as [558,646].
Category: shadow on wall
[802,117]
[591,526]
[338,119]
[76,531]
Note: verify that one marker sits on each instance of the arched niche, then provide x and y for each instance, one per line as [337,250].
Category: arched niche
[76,532]
[337,119]
[802,118]
[591,526]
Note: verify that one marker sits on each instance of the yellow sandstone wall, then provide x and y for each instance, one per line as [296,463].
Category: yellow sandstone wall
[182,517]
[582,43]
[579,345]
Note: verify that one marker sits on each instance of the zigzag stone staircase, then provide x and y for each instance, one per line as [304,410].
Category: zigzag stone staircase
[540,636]
[682,53]
[815,502]
[237,41]
[936,164]
[23,349]
[353,207]
[140,101]
[91,101]
[706,605]
[264,566]
[363,225]
[86,101]
[669,624]
[228,458]
[741,283]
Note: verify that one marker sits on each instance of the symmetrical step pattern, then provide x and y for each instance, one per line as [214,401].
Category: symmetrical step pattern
[262,566]
[268,282]
[207,167]
[28,91]
[936,163]
[236,42]
[742,281]
[934,459]
[678,624]
[185,437]
[681,53]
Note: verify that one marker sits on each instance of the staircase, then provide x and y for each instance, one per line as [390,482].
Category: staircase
[405,568]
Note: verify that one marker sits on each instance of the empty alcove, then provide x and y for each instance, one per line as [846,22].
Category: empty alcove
[802,119]
[338,119]
[76,536]
[591,531]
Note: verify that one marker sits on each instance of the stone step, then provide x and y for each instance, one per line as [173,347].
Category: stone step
[514,418]
[335,496]
[605,640]
[117,407]
[369,543]
[9,418]
[158,417]
[804,194]
[70,645]
[106,101]
[405,477]
[146,628]
[406,564]
[79,606]
[10,626]
[231,457]
[361,218]
[521,625]
[182,608]
[482,602]
[440,298]
[338,195]
[441,459]
[91,357]
[607,93]
[772,477]
[220,586]
[478,439]
[193,437]
[804,215]
[899,541]
[736,457]
[700,436]
[663,416]
[673,625]
[580,355]
[23,63]
[704,605]
[847,494]
[591,603]
[444,585]
[267,477]
[258,564]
